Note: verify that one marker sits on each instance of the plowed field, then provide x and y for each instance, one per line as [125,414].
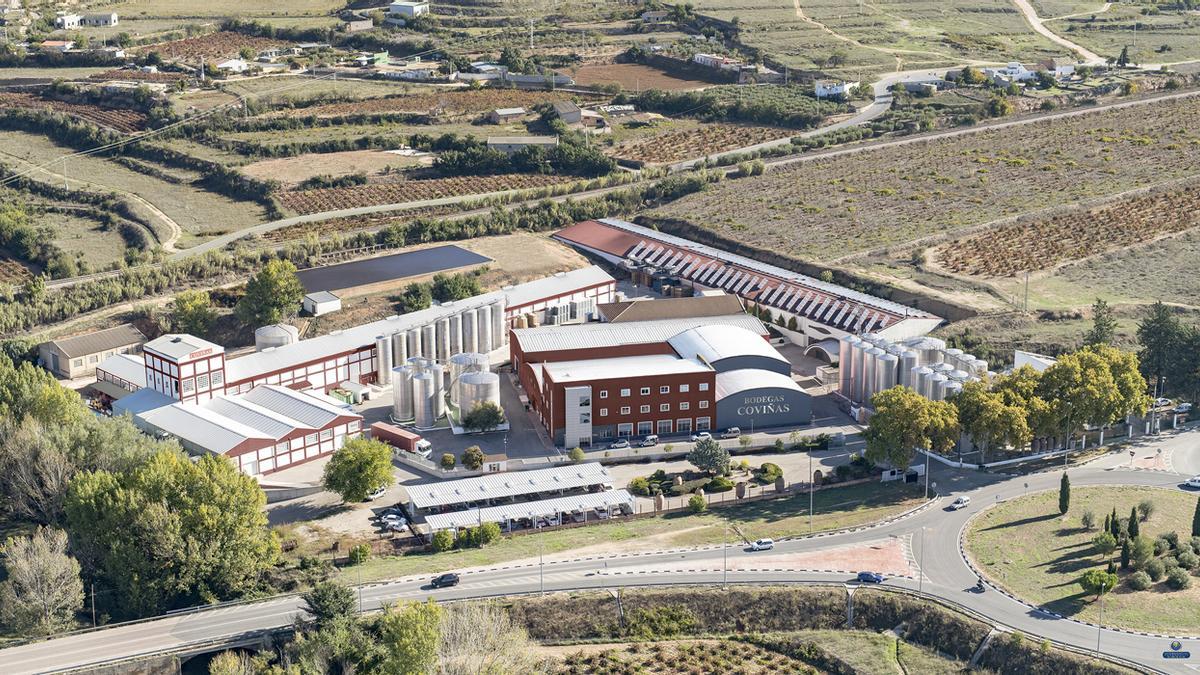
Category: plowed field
[330,199]
[218,45]
[127,121]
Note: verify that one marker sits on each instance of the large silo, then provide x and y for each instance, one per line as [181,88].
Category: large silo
[457,364]
[957,375]
[870,361]
[383,360]
[478,387]
[943,368]
[952,388]
[885,372]
[937,387]
[424,413]
[845,360]
[399,347]
[499,323]
[921,378]
[429,341]
[455,328]
[979,368]
[483,328]
[856,384]
[443,339]
[413,337]
[930,349]
[402,393]
[470,336]
[275,335]
[909,360]
[438,374]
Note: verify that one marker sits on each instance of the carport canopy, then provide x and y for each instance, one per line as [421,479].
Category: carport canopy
[826,350]
[538,509]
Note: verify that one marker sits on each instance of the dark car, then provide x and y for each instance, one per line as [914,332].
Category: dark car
[870,577]
[447,579]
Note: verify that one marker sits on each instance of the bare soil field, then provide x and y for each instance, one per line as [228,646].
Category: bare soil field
[443,102]
[219,45]
[631,76]
[12,271]
[327,199]
[293,170]
[674,146]
[125,121]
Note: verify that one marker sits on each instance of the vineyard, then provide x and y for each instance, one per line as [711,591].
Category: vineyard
[331,199]
[826,208]
[448,102]
[1015,248]
[126,121]
[352,224]
[675,146]
[682,657]
[137,76]
[220,45]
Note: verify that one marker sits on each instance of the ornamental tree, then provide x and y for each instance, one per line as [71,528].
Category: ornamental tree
[709,456]
[358,469]
[904,421]
[1097,582]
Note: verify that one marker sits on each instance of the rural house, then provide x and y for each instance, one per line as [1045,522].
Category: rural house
[503,115]
[67,21]
[402,11]
[59,46]
[511,145]
[833,88]
[655,17]
[101,20]
[78,356]
[568,112]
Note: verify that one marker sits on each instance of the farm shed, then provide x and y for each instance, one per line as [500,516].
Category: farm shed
[78,356]
[321,303]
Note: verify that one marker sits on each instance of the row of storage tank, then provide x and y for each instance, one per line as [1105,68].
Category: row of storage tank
[476,330]
[419,387]
[869,364]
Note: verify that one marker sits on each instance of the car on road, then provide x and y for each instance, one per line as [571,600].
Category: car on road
[870,577]
[1182,408]
[618,445]
[701,436]
[649,441]
[961,503]
[1162,403]
[376,493]
[447,579]
[1193,482]
[731,432]
[763,545]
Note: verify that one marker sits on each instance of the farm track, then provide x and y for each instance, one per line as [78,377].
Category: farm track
[1038,25]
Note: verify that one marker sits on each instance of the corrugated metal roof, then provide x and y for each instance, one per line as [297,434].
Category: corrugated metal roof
[748,379]
[541,508]
[305,409]
[595,335]
[555,285]
[510,484]
[178,345]
[622,367]
[670,308]
[125,366]
[714,343]
[201,427]
[100,341]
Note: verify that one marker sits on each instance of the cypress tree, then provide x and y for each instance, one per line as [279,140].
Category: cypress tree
[1115,525]
[1125,554]
[1107,523]
[1132,528]
[1064,494]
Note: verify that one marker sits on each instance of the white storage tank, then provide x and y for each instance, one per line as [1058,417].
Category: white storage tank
[455,327]
[952,388]
[860,359]
[930,349]
[845,360]
[979,367]
[943,368]
[460,364]
[921,378]
[483,328]
[438,374]
[885,372]
[413,338]
[470,336]
[958,375]
[383,360]
[870,361]
[443,339]
[429,341]
[424,413]
[499,325]
[402,393]
[399,347]
[937,387]
[275,335]
[477,387]
[909,360]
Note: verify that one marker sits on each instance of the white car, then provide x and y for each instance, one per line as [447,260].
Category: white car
[393,518]
[377,493]
[1193,482]
[1182,408]
[960,503]
[1162,403]
[763,545]
[701,436]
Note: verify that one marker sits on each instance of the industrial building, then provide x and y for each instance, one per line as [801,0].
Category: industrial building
[824,312]
[79,356]
[871,364]
[599,381]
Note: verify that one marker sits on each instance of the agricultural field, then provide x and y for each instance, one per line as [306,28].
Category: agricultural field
[8,75]
[137,76]
[443,102]
[861,40]
[1168,36]
[99,246]
[675,146]
[219,45]
[330,199]
[293,170]
[282,89]
[399,131]
[125,121]
[220,9]
[631,77]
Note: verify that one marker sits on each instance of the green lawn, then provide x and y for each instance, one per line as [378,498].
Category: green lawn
[1025,546]
[833,509]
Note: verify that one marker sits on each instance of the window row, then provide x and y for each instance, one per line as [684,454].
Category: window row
[662,407]
[662,389]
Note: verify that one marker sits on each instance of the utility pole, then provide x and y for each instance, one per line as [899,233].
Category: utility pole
[93,585]
[811,480]
[541,571]
[927,475]
[1026,290]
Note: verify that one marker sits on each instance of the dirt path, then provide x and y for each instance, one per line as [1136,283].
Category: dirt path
[1037,23]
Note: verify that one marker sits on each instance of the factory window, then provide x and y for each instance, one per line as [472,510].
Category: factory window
[202,382]
[664,389]
[645,391]
[603,393]
[645,428]
[624,410]
[684,388]
[585,418]
[684,405]
[353,426]
[77,363]
[703,424]
[604,412]
[604,433]
[624,430]
[644,409]
[624,392]
[683,426]
[218,378]
[189,386]
[703,386]
[310,439]
[664,407]
[664,427]
[326,434]
[703,404]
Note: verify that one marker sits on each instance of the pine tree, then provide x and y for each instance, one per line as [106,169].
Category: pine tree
[1064,494]
[1132,528]
[1104,326]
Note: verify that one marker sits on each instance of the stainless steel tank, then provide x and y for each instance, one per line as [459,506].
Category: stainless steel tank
[437,374]
[857,384]
[478,387]
[870,361]
[470,336]
[943,368]
[483,328]
[845,360]
[443,339]
[275,335]
[979,367]
[429,341]
[937,387]
[457,365]
[424,413]
[922,376]
[885,372]
[413,337]
[499,323]
[909,360]
[930,349]
[958,375]
[951,389]
[455,328]
[383,360]
[402,393]
[399,347]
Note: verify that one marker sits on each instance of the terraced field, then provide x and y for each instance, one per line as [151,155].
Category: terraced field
[328,199]
[674,146]
[127,121]
[447,102]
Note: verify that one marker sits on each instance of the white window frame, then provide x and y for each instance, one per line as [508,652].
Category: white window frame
[684,388]
[703,424]
[664,389]
[703,405]
[624,392]
[703,386]
[604,412]
[684,405]
[624,410]
[644,409]
[645,391]
[664,407]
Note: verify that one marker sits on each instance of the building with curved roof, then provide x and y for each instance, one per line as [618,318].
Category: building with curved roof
[758,399]
[727,348]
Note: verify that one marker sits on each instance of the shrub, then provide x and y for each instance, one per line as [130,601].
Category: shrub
[1170,563]
[1187,560]
[1139,581]
[779,446]
[1172,538]
[1179,579]
[1145,509]
[661,621]
[488,532]
[640,486]
[719,484]
[1088,519]
[769,472]
[448,460]
[359,554]
[576,455]
[1195,541]
[473,458]
[1155,569]
[443,540]
[1161,546]
[697,504]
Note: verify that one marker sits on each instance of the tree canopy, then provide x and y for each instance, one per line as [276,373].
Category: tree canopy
[1104,326]
[271,295]
[485,416]
[905,421]
[192,313]
[988,419]
[358,469]
[42,590]
[709,456]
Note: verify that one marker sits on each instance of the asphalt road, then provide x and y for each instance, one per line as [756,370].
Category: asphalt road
[933,535]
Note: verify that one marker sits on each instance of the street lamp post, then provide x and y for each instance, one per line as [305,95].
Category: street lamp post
[921,565]
[811,481]
[927,475]
[1100,625]
[541,571]
[725,556]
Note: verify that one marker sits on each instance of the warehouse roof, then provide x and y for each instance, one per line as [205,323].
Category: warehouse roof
[556,285]
[321,296]
[749,379]
[126,367]
[140,401]
[511,484]
[713,343]
[179,346]
[100,341]
[595,335]
[670,308]
[622,367]
[540,508]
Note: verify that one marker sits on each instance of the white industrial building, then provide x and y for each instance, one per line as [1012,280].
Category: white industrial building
[321,303]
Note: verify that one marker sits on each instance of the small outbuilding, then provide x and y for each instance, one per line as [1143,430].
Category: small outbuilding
[78,356]
[321,302]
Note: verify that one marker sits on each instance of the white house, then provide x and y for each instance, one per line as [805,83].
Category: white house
[67,21]
[401,11]
[321,302]
[102,20]
[233,66]
[1013,72]
[833,88]
[1061,69]
[715,61]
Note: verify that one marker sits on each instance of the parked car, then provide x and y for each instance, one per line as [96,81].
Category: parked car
[397,526]
[701,436]
[731,432]
[763,545]
[447,579]
[1182,408]
[870,577]
[619,444]
[961,503]
[392,519]
[1162,403]
[649,441]
[1193,482]
[377,493]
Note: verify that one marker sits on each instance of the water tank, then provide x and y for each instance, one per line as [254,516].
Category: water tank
[958,375]
[470,336]
[443,339]
[845,369]
[908,361]
[402,393]
[383,360]
[455,328]
[870,360]
[429,341]
[937,387]
[930,349]
[477,387]
[921,377]
[499,324]
[275,335]
[483,328]
[413,338]
[885,372]
[399,347]
[979,367]
[423,410]
[860,357]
